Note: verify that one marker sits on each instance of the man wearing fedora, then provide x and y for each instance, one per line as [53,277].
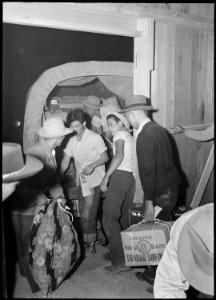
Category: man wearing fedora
[35,191]
[154,166]
[15,168]
[188,258]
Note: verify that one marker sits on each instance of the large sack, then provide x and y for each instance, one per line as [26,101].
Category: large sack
[54,247]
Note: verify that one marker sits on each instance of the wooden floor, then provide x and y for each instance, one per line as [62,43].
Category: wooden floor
[91,281]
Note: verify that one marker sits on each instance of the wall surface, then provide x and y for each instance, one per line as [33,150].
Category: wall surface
[182,86]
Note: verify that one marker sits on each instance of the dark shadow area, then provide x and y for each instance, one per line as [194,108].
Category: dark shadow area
[28,51]
[10,246]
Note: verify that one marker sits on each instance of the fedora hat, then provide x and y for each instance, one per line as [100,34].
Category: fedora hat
[195,250]
[92,102]
[136,102]
[53,127]
[121,118]
[14,168]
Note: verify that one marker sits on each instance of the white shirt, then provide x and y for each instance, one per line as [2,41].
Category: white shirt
[169,281]
[86,151]
[127,162]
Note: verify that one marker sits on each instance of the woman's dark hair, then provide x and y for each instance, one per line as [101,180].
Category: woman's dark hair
[76,115]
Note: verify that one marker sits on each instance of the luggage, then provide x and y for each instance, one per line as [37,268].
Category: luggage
[144,243]
[54,247]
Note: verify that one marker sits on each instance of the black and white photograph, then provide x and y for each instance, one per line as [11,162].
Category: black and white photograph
[107,150]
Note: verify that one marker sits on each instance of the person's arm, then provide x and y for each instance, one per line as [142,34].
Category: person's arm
[147,166]
[99,162]
[65,163]
[116,161]
[195,134]
[200,135]
[169,281]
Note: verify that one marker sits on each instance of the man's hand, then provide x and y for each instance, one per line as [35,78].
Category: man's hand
[149,211]
[104,184]
[88,169]
[174,129]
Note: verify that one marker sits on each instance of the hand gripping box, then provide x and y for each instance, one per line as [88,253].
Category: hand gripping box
[144,243]
[135,213]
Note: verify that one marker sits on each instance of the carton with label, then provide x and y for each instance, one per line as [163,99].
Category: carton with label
[144,243]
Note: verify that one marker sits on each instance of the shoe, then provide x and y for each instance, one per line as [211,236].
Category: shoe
[107,256]
[144,277]
[102,243]
[101,240]
[116,269]
[90,249]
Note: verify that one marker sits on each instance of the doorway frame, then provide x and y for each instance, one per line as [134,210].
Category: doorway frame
[69,16]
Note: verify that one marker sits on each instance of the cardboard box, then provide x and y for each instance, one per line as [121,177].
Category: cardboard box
[135,213]
[144,243]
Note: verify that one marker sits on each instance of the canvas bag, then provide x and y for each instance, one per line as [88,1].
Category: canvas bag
[54,248]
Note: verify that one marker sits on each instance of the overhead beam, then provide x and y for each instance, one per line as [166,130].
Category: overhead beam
[68,17]
[147,10]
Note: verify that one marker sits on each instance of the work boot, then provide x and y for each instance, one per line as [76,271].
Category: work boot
[147,275]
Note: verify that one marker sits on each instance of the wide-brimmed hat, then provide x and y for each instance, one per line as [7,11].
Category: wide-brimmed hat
[54,127]
[17,166]
[92,102]
[121,118]
[136,102]
[195,250]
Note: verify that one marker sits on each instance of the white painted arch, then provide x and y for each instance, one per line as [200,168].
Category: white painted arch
[116,76]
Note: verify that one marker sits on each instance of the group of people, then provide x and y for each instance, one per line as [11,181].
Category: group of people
[142,161]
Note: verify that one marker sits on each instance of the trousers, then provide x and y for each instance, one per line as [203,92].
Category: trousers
[167,201]
[118,199]
[88,209]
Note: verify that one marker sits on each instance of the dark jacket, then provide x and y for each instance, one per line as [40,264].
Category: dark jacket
[156,166]
[45,182]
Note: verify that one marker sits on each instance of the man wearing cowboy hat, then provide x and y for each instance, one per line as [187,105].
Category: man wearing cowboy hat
[35,191]
[188,258]
[154,165]
[15,168]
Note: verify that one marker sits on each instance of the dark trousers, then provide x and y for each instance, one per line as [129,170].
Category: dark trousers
[118,199]
[88,208]
[22,226]
[168,202]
